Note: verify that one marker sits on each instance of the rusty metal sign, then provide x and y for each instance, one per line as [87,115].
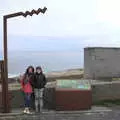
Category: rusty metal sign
[5,81]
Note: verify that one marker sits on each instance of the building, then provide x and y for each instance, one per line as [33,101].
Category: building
[101,62]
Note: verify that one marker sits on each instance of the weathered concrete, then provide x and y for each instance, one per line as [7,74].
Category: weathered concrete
[101,62]
[93,114]
[17,100]
[105,91]
[101,90]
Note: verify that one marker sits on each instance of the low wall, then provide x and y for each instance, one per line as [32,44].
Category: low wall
[1,105]
[17,100]
[105,91]
[100,91]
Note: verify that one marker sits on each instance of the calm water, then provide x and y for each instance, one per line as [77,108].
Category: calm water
[50,61]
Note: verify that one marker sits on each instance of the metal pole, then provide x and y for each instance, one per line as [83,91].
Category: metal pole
[5,94]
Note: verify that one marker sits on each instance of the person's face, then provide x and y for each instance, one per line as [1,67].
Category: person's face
[30,70]
[38,71]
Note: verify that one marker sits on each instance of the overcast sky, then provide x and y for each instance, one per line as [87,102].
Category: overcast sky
[66,18]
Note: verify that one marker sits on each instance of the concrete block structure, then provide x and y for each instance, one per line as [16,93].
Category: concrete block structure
[101,62]
[105,91]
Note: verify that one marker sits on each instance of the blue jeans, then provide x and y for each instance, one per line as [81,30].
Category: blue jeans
[27,99]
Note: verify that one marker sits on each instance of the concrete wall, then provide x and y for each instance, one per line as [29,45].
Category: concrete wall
[100,91]
[17,100]
[101,62]
[106,91]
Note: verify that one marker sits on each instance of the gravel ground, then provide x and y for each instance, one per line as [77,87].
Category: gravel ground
[98,114]
[86,116]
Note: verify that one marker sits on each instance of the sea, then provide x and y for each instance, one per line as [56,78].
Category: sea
[51,61]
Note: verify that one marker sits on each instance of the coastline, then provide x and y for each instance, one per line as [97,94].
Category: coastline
[66,74]
[14,82]
[78,73]
[51,76]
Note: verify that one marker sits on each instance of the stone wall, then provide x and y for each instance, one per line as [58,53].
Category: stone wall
[17,100]
[101,62]
[100,91]
[106,91]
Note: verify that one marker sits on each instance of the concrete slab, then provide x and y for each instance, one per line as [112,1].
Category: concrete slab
[94,109]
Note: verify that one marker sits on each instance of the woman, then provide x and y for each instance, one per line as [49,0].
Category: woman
[39,84]
[26,83]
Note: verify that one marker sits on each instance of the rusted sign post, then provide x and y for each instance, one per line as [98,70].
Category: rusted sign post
[1,81]
[5,82]
[2,102]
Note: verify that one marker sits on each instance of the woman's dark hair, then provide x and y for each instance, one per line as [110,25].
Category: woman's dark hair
[39,68]
[27,70]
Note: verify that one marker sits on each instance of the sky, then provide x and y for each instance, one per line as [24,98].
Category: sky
[92,22]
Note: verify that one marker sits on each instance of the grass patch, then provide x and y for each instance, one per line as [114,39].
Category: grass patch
[115,79]
[108,102]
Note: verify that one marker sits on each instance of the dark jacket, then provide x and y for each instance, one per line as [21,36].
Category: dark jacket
[39,81]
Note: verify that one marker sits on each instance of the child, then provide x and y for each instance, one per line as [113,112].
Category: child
[39,84]
[26,84]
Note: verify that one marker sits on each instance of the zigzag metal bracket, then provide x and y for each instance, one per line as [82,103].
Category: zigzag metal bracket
[26,13]
[34,12]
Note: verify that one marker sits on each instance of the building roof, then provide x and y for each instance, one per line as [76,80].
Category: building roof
[102,48]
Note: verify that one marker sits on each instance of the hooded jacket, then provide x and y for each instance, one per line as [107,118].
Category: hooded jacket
[39,81]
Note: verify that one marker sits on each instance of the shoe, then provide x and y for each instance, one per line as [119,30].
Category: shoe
[25,110]
[28,111]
